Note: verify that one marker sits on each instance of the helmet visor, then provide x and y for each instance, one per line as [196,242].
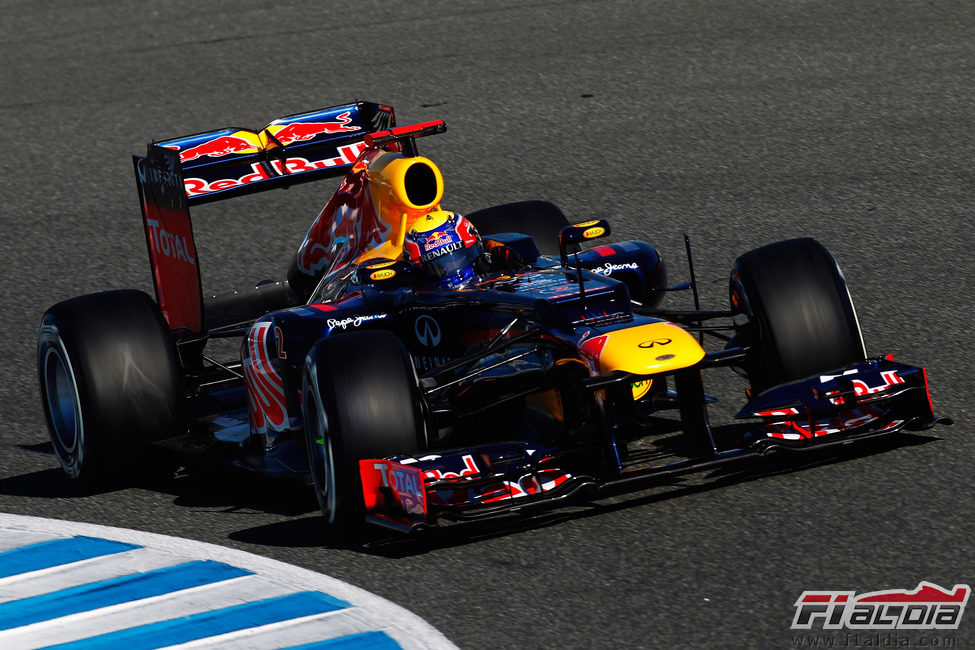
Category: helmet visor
[444,264]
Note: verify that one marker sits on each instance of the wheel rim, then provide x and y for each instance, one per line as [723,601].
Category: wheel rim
[63,403]
[321,456]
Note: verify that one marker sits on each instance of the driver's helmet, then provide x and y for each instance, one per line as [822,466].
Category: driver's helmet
[444,246]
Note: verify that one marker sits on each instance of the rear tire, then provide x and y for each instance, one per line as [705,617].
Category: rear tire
[360,400]
[110,384]
[801,318]
[540,220]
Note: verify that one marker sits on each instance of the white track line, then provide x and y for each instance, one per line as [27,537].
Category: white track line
[368,612]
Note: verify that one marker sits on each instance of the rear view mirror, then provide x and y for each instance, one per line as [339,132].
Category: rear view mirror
[581,232]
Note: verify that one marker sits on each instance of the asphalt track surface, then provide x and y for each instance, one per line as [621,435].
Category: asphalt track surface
[738,122]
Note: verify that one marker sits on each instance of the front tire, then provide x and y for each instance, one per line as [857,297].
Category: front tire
[801,319]
[109,382]
[360,400]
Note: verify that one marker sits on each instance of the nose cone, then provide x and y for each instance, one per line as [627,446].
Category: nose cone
[643,350]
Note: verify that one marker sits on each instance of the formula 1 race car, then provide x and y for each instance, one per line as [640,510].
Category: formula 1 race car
[419,365]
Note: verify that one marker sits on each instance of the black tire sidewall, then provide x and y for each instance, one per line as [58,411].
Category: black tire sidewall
[125,369]
[801,317]
[366,386]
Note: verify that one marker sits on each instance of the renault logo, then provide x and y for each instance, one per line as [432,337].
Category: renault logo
[427,331]
[655,342]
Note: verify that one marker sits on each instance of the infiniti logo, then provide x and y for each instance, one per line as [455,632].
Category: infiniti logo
[650,344]
[427,331]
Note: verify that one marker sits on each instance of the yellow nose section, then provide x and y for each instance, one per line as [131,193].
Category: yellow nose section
[643,350]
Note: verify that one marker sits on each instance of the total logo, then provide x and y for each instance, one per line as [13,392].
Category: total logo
[928,607]
[170,245]
[405,483]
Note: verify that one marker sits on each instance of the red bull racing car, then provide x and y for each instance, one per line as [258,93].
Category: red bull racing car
[420,365]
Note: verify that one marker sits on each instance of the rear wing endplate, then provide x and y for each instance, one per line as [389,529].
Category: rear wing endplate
[228,162]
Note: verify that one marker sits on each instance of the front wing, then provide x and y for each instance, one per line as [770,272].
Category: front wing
[871,398]
[406,493]
[868,399]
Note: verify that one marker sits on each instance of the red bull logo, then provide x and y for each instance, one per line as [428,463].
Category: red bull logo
[436,239]
[304,131]
[436,252]
[293,165]
[243,142]
[225,145]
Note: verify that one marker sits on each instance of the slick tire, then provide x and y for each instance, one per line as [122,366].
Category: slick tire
[540,220]
[801,319]
[360,400]
[109,383]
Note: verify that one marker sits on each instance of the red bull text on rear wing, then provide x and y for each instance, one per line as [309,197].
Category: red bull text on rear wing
[292,149]
[220,164]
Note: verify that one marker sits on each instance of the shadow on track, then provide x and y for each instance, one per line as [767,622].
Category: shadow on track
[745,470]
[310,531]
[223,489]
[202,485]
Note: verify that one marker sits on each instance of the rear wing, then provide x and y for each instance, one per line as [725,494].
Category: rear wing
[214,165]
